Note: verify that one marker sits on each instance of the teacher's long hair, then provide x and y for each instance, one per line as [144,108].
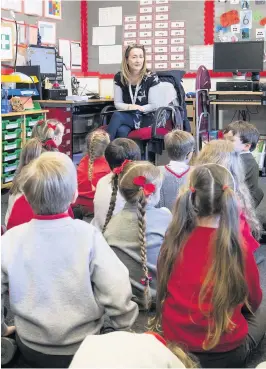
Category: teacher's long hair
[125,73]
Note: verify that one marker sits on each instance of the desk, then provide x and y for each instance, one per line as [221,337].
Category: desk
[233,98]
[16,129]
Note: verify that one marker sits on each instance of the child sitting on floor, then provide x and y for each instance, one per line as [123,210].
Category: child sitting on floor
[50,132]
[30,151]
[137,232]
[116,153]
[179,146]
[223,152]
[130,350]
[59,271]
[92,168]
[208,289]
[245,137]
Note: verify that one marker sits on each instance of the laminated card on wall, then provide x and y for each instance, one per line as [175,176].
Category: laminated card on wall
[110,16]
[110,54]
[201,55]
[103,35]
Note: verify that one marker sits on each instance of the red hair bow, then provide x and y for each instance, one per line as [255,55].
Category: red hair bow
[52,126]
[148,188]
[40,122]
[120,169]
[50,143]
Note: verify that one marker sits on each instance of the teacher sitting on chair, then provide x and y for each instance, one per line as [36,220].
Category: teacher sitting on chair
[132,94]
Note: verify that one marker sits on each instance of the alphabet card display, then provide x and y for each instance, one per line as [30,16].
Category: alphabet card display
[163,39]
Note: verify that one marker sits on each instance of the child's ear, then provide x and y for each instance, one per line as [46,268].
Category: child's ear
[247,146]
[75,196]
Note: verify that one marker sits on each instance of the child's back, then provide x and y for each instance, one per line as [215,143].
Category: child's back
[179,146]
[60,271]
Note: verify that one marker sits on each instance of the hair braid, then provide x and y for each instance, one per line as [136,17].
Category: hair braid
[112,202]
[91,158]
[141,212]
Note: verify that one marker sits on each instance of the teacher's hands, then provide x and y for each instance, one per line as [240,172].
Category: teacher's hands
[135,107]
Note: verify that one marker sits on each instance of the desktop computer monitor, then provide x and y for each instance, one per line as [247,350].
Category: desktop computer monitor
[245,56]
[45,57]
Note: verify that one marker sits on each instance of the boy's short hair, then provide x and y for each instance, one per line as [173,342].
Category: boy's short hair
[247,132]
[121,149]
[179,144]
[49,183]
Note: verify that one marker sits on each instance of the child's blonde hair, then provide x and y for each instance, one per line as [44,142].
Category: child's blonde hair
[222,152]
[136,194]
[46,130]
[30,151]
[178,144]
[210,193]
[96,142]
[50,183]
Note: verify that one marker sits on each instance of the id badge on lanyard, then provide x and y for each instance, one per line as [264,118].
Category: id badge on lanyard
[133,98]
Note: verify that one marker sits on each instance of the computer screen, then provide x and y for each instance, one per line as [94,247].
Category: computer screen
[45,57]
[245,56]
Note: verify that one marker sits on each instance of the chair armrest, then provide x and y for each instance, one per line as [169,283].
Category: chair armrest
[159,114]
[108,109]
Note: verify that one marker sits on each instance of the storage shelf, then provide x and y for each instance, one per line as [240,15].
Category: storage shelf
[26,112]
[236,103]
[258,93]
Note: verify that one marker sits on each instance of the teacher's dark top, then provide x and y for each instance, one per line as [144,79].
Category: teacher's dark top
[148,81]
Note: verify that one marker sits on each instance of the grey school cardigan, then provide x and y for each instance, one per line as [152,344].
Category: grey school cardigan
[171,186]
[122,235]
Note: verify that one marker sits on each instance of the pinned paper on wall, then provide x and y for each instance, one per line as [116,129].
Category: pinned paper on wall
[260,33]
[234,2]
[110,54]
[64,51]
[15,5]
[32,34]
[21,33]
[235,28]
[47,32]
[7,41]
[103,35]
[245,4]
[110,16]
[75,55]
[245,32]
[53,9]
[246,19]
[201,55]
[33,7]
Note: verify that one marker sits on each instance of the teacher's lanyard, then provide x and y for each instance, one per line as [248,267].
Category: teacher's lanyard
[133,99]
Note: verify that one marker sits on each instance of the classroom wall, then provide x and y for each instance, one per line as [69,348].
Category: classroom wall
[68,27]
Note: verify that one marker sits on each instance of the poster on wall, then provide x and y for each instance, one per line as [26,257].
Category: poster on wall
[53,9]
[47,32]
[33,7]
[7,41]
[15,5]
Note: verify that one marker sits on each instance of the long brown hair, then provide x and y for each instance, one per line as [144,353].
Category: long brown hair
[30,151]
[210,194]
[134,195]
[222,152]
[97,142]
[125,73]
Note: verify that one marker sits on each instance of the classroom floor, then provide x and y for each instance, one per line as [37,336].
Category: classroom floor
[141,323]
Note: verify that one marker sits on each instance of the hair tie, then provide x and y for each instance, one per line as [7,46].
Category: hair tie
[40,122]
[144,281]
[225,187]
[148,188]
[49,143]
[120,169]
[52,126]
[192,189]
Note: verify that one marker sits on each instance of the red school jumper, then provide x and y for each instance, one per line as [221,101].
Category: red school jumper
[182,319]
[87,188]
[22,213]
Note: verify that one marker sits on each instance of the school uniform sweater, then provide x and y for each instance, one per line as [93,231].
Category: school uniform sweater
[124,350]
[122,235]
[174,176]
[22,213]
[62,278]
[182,319]
[87,188]
[102,200]
[251,170]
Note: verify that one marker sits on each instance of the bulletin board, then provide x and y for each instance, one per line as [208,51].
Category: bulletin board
[248,18]
[185,20]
